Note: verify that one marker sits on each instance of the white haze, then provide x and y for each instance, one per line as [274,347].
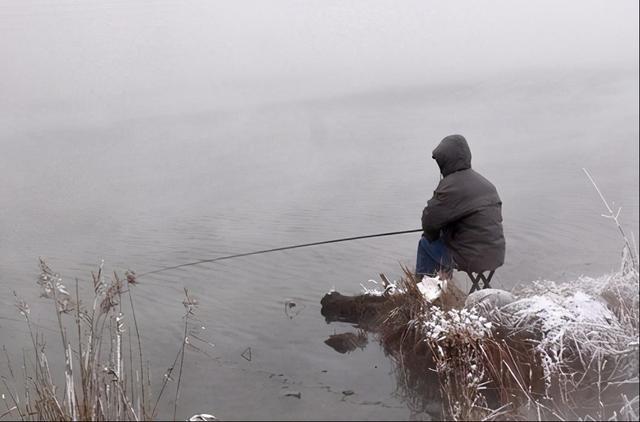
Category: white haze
[99,61]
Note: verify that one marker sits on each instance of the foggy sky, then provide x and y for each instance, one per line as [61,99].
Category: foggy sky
[119,57]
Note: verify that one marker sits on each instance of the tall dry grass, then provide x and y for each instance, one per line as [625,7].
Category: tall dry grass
[106,376]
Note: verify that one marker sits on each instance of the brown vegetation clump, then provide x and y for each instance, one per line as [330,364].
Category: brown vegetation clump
[564,351]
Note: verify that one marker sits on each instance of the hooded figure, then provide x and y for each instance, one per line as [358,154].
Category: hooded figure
[464,216]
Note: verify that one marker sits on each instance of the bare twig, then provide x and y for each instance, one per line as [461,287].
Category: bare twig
[189,304]
[135,324]
[614,217]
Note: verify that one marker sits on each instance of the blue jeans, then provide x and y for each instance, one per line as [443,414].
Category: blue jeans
[432,257]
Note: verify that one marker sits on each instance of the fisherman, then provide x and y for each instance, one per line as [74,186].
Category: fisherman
[462,222]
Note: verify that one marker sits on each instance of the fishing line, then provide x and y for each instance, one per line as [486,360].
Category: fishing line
[283,248]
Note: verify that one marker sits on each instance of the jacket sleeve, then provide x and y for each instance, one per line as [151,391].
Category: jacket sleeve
[441,209]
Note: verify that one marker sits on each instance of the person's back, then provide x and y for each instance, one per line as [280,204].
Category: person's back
[463,220]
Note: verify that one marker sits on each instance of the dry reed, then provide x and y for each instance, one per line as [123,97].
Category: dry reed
[102,381]
[541,357]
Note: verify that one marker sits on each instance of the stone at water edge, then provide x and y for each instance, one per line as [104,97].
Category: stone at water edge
[494,298]
[203,417]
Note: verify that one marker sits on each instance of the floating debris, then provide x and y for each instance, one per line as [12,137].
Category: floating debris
[247,354]
[291,308]
[291,393]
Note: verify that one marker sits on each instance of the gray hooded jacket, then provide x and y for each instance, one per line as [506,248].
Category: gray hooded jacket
[465,210]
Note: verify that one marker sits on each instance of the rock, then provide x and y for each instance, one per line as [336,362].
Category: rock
[203,417]
[489,298]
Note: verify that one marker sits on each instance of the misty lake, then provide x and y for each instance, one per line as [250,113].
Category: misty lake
[156,133]
[153,191]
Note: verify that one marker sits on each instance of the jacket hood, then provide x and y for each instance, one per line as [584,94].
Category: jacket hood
[452,154]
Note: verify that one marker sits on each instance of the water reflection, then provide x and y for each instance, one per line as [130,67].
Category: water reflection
[417,382]
[347,342]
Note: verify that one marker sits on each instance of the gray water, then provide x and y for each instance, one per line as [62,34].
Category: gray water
[151,176]
[151,192]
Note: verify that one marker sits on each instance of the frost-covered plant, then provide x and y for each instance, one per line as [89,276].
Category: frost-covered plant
[536,358]
[456,322]
[454,338]
[586,336]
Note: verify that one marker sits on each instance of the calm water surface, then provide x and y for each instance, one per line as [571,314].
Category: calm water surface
[146,193]
[157,189]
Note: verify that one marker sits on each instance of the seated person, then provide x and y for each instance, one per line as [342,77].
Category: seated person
[462,222]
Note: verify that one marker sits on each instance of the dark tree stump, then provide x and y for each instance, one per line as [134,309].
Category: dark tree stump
[363,310]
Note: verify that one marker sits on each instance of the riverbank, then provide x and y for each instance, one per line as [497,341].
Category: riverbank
[558,351]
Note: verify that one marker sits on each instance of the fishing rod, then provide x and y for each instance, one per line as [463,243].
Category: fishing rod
[283,248]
